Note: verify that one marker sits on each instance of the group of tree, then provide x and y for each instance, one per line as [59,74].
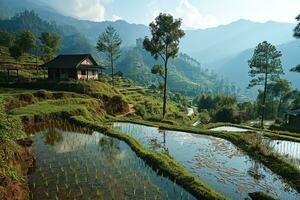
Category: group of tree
[266,70]
[71,41]
[222,108]
[163,44]
[26,42]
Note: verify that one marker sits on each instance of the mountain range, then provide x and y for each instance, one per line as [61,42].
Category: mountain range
[224,49]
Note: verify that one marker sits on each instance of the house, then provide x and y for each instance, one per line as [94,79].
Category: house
[293,118]
[74,66]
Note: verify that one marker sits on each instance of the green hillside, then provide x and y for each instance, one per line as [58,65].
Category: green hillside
[185,74]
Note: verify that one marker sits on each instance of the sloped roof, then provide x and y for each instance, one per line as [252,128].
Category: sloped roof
[295,112]
[69,61]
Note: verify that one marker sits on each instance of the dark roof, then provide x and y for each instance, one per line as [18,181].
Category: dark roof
[295,112]
[69,61]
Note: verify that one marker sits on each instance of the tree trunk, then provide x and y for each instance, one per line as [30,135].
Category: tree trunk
[165,88]
[279,107]
[112,69]
[264,99]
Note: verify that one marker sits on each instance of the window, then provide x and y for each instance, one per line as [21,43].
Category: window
[93,73]
[83,72]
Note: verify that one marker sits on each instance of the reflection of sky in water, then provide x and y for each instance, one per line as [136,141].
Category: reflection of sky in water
[81,166]
[229,128]
[216,161]
[288,149]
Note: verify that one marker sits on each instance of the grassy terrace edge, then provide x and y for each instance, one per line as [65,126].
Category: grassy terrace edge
[289,172]
[158,161]
[280,135]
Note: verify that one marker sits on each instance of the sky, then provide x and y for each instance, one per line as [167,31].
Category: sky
[195,14]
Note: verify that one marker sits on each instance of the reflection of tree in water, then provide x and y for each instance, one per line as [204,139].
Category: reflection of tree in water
[53,136]
[256,171]
[159,145]
[110,147]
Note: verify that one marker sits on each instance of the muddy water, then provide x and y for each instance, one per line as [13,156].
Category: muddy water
[216,161]
[73,165]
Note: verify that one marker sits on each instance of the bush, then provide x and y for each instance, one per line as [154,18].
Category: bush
[11,128]
[140,110]
[204,116]
[279,121]
[224,114]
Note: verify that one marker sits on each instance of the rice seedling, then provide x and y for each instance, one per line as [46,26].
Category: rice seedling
[72,174]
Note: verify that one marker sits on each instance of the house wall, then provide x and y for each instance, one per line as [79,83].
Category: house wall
[88,75]
[87,62]
[61,74]
[294,121]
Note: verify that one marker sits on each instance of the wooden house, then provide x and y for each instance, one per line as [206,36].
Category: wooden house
[76,66]
[293,118]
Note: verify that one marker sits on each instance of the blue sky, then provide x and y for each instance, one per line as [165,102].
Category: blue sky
[195,13]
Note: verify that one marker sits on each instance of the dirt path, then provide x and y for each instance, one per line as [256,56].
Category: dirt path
[131,111]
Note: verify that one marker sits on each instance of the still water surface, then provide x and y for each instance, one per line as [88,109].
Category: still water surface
[74,165]
[216,161]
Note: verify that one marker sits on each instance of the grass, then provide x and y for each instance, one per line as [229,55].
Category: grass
[87,109]
[159,161]
[248,143]
[280,135]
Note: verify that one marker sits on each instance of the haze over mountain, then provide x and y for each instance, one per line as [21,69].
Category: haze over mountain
[225,48]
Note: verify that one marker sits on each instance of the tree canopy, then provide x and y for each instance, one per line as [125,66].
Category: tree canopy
[297,28]
[265,68]
[109,42]
[166,33]
[297,35]
[49,45]
[26,41]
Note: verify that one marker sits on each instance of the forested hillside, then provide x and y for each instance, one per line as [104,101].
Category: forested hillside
[185,73]
[71,41]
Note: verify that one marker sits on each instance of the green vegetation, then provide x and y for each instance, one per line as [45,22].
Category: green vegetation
[71,41]
[165,165]
[265,67]
[49,45]
[109,42]
[297,35]
[251,143]
[260,196]
[164,44]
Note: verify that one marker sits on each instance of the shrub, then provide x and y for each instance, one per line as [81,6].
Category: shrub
[224,114]
[10,127]
[204,116]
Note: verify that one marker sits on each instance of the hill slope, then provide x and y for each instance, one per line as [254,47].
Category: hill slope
[236,68]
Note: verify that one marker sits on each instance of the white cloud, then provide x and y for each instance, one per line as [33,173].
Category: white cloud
[192,17]
[82,9]
[116,17]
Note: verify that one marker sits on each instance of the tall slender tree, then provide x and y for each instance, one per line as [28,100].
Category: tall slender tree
[297,35]
[166,33]
[265,68]
[109,42]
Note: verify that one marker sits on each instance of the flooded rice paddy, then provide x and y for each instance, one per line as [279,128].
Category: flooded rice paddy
[216,161]
[290,150]
[74,165]
[229,129]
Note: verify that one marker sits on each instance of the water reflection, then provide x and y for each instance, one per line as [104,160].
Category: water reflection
[72,165]
[52,137]
[216,161]
[288,149]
